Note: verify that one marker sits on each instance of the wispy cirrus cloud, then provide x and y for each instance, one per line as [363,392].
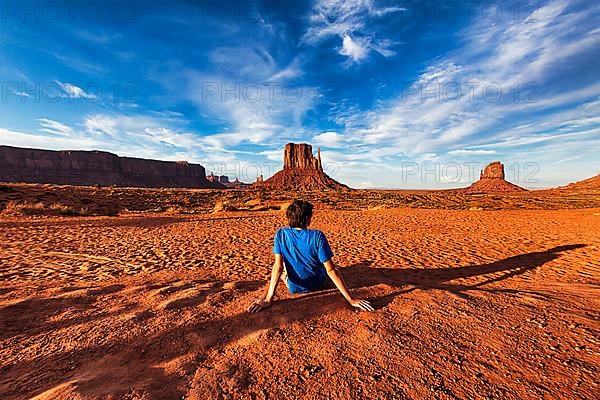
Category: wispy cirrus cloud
[469,152]
[54,127]
[73,91]
[259,101]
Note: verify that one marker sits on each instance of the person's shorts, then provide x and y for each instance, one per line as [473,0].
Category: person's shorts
[284,277]
[327,284]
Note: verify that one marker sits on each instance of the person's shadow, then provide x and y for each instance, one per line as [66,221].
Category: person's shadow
[362,275]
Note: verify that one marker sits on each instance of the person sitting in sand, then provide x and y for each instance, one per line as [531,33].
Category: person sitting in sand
[303,260]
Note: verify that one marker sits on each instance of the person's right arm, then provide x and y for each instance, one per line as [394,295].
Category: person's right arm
[260,304]
[335,275]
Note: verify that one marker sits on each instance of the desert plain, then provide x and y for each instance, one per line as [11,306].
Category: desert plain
[476,297]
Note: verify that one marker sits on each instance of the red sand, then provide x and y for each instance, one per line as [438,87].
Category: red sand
[469,304]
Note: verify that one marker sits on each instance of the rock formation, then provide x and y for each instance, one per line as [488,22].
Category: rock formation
[301,171]
[237,184]
[586,186]
[493,171]
[224,179]
[491,180]
[85,168]
[300,156]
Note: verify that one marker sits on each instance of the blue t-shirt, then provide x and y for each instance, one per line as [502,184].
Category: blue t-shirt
[303,251]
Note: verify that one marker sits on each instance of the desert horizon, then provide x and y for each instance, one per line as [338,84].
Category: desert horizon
[8,164]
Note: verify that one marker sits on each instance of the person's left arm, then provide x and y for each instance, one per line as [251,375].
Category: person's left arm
[336,277]
[325,254]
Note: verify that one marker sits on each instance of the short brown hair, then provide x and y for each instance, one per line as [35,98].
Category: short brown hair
[299,213]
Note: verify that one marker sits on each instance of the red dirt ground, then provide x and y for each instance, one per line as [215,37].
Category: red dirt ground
[469,305]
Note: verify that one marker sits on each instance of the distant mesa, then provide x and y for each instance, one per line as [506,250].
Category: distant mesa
[590,185]
[492,180]
[224,180]
[86,168]
[301,171]
[237,184]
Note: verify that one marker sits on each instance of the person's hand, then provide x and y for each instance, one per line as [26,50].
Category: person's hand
[363,305]
[258,305]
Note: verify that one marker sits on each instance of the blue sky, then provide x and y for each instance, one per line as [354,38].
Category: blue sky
[396,94]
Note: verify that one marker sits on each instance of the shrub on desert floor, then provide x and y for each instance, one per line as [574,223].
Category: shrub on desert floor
[223,206]
[11,207]
[62,209]
[39,208]
[19,208]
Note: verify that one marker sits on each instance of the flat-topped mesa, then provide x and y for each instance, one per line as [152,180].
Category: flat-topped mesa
[85,168]
[300,156]
[493,170]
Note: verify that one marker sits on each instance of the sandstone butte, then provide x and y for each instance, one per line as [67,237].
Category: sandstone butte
[85,168]
[301,171]
[492,180]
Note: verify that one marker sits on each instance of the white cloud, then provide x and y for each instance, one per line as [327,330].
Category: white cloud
[291,71]
[384,46]
[327,139]
[351,21]
[35,140]
[251,95]
[125,135]
[167,114]
[537,137]
[78,64]
[468,152]
[273,155]
[74,92]
[97,37]
[564,160]
[54,127]
[356,49]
